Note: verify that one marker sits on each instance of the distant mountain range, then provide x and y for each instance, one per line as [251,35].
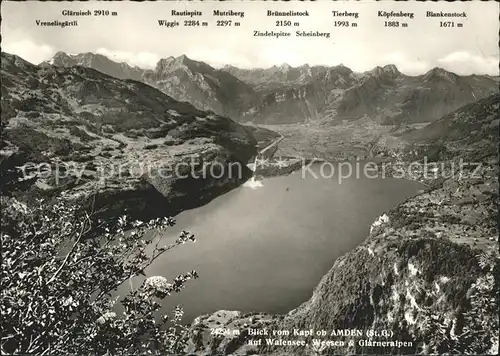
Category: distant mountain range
[285,94]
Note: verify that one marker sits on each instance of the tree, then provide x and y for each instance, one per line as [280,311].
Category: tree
[58,277]
[471,329]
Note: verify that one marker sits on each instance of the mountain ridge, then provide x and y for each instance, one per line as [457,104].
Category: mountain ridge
[180,77]
[325,94]
[425,270]
[81,116]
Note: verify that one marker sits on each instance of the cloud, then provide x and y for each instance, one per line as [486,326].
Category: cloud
[29,50]
[406,64]
[140,59]
[465,63]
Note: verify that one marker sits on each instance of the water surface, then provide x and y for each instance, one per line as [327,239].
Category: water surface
[264,247]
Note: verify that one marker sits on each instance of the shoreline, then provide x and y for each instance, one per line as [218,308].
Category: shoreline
[393,227]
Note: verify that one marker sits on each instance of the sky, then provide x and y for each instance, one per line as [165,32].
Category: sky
[135,37]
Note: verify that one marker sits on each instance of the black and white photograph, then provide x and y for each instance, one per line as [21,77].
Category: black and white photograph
[249,178]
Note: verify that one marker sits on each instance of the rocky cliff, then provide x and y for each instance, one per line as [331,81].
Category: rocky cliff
[307,101]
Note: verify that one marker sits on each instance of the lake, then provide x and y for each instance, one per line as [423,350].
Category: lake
[264,247]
